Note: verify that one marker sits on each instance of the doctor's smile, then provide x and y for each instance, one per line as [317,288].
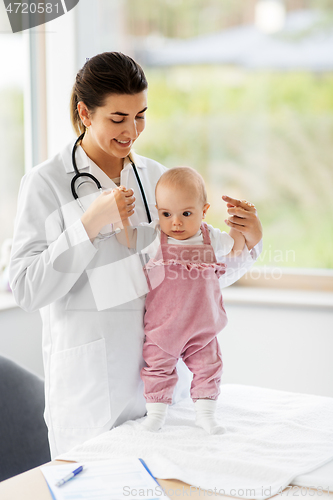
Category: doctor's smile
[124,143]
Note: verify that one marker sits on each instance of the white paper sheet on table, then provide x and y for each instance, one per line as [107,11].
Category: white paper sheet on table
[272,438]
[124,479]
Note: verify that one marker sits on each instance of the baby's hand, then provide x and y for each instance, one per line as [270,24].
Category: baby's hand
[236,223]
[125,203]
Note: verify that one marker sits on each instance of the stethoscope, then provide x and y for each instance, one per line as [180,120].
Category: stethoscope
[79,175]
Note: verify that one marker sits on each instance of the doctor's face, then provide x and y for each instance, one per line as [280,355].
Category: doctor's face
[114,127]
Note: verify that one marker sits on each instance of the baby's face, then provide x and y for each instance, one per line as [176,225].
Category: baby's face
[180,213]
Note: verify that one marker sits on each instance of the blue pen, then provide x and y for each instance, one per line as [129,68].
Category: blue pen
[70,476]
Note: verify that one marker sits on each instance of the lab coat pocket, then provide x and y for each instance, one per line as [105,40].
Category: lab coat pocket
[79,392]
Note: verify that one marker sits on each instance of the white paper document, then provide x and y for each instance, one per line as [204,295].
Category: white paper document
[106,480]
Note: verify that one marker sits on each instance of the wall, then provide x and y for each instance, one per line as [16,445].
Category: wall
[21,338]
[285,348]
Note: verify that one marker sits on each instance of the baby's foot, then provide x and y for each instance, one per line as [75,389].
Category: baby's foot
[156,413]
[210,425]
[205,416]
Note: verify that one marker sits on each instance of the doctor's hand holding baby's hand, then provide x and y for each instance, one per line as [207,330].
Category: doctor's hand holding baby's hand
[108,208]
[244,218]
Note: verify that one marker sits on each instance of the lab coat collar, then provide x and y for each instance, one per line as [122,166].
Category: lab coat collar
[137,160]
[81,159]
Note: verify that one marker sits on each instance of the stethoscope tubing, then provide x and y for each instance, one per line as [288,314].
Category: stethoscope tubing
[141,190]
[78,174]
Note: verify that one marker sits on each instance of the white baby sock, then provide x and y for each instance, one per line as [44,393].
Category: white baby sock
[156,413]
[205,416]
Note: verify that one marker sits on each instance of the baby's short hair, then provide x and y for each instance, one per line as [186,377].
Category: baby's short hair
[184,177]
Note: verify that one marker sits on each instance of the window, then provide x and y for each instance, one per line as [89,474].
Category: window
[246,103]
[248,107]
[12,79]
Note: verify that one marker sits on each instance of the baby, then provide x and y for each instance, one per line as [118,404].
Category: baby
[184,307]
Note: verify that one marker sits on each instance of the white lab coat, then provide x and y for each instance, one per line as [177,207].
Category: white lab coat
[90,296]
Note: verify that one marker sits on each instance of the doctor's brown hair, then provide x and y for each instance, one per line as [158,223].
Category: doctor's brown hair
[102,75]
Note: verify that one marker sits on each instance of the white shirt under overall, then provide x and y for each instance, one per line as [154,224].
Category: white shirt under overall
[149,239]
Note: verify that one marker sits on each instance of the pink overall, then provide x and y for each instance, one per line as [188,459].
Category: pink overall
[184,313]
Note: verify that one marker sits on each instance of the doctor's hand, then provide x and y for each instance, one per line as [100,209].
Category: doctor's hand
[244,219]
[109,207]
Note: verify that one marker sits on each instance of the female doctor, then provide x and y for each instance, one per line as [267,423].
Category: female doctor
[67,263]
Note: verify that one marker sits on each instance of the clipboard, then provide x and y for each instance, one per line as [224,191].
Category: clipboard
[126,479]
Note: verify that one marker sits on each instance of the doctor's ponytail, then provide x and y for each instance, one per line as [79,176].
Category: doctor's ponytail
[102,75]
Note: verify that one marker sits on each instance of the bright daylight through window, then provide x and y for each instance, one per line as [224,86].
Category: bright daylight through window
[12,79]
[242,91]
